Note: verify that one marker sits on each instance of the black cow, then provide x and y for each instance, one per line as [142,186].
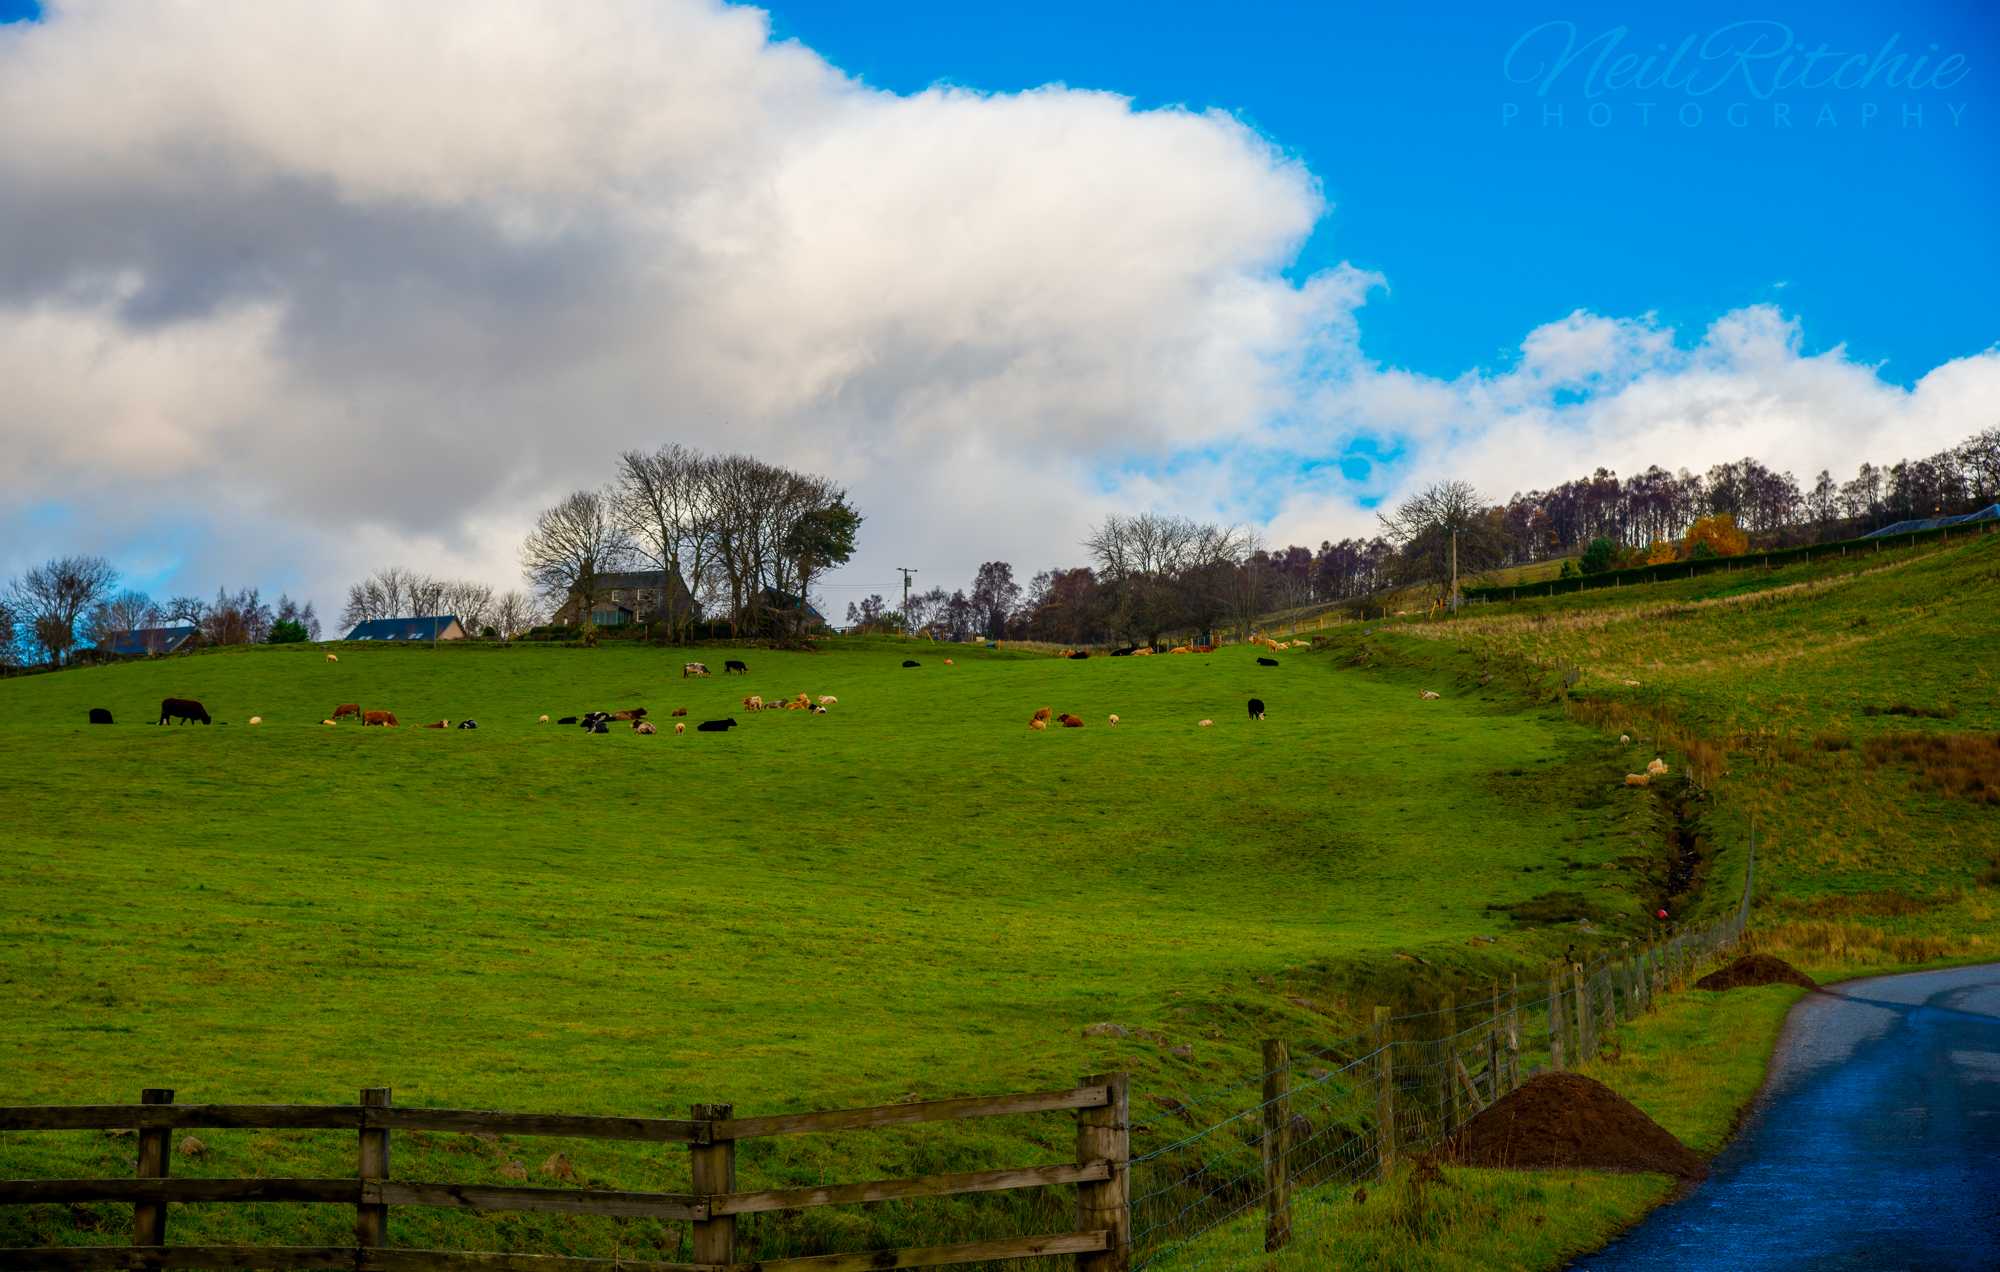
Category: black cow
[98,715]
[567,720]
[183,710]
[733,664]
[716,726]
[600,727]
[911,662]
[1267,662]
[1256,708]
[468,724]
[1080,654]
[1123,653]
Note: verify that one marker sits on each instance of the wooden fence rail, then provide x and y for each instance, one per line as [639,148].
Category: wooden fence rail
[1100,1243]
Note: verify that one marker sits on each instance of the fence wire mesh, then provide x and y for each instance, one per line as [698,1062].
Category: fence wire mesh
[1202,1168]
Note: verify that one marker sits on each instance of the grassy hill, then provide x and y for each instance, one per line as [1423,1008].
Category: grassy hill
[916,896]
[912,895]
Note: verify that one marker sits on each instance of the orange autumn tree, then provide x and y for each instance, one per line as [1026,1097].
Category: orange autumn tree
[1715,536]
[1661,552]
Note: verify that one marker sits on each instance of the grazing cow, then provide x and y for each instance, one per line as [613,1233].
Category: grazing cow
[333,657]
[1267,662]
[346,709]
[567,720]
[182,710]
[680,711]
[715,726]
[911,662]
[386,719]
[1256,708]
[98,715]
[693,669]
[438,724]
[735,665]
[468,724]
[1081,653]
[643,726]
[680,726]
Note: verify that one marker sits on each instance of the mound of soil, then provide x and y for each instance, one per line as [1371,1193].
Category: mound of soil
[1566,1120]
[1756,969]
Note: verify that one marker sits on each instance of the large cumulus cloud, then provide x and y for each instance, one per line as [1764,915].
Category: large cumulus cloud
[339,284]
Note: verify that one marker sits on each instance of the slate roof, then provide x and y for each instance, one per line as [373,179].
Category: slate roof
[149,640]
[406,628]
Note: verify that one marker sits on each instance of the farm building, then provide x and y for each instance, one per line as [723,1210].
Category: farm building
[1989,513]
[639,596]
[145,641]
[440,627]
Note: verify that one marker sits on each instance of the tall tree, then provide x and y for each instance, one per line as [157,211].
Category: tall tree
[514,613]
[116,615]
[666,501]
[51,597]
[1425,525]
[573,544]
[995,595]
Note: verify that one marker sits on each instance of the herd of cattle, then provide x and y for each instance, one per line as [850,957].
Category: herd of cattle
[186,710]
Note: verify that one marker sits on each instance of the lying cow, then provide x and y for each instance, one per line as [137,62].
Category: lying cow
[98,715]
[183,710]
[1267,662]
[716,726]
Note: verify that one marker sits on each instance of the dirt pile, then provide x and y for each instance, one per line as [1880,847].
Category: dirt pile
[1756,969]
[1566,1120]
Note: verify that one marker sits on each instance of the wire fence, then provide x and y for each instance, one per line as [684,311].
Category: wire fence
[1342,1112]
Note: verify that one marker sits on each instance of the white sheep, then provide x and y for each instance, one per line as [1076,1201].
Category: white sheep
[1624,739]
[1114,719]
[1206,723]
[543,720]
[333,657]
[1429,695]
[680,727]
[331,724]
[1657,767]
[256,719]
[828,700]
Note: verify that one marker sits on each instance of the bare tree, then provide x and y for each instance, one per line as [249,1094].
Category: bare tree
[51,597]
[514,613]
[470,602]
[116,615]
[667,502]
[574,543]
[1163,571]
[1426,526]
[10,633]
[186,611]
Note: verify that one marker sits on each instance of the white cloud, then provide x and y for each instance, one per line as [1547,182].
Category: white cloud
[335,285]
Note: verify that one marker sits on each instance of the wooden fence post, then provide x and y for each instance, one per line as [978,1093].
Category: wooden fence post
[371,1220]
[1607,1020]
[1585,1052]
[1656,972]
[1451,1104]
[1555,1020]
[1277,1146]
[1513,1030]
[713,1169]
[1105,1135]
[149,1219]
[1494,1087]
[1385,1093]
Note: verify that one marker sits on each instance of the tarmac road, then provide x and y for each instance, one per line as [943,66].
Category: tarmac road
[1875,1143]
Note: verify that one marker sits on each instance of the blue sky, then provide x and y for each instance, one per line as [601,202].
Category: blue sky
[1875,234]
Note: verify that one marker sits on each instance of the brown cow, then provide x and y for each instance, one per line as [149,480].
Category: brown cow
[635,713]
[1069,721]
[680,711]
[385,718]
[346,709]
[441,724]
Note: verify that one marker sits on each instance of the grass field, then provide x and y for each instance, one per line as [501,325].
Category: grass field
[916,896]
[912,895]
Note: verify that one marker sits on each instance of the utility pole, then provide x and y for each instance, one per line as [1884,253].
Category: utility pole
[907,572]
[1454,570]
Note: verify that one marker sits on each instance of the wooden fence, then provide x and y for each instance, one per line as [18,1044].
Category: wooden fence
[1101,1241]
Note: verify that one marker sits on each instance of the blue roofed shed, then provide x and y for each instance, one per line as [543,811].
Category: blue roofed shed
[442,627]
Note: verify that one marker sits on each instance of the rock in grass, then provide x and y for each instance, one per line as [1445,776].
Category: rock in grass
[1105,1029]
[192,1147]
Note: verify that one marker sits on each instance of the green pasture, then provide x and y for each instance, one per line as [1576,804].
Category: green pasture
[913,895]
